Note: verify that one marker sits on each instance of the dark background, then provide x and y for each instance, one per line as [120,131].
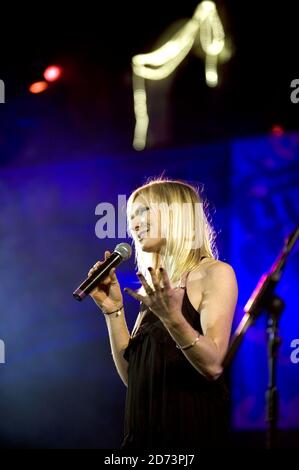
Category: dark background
[95,44]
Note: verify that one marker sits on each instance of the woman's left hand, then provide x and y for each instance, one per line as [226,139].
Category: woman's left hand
[164,301]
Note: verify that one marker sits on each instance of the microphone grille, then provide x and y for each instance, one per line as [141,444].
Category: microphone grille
[124,250]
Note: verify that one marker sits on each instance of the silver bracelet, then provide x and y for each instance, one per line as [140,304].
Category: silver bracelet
[189,345]
[115,313]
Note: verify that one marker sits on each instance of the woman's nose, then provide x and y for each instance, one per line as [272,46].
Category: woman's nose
[139,224]
[136,225]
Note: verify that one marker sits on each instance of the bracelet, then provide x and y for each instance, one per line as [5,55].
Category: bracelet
[189,345]
[116,312]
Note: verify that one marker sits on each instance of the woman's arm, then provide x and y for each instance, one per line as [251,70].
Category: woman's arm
[119,339]
[217,307]
[108,297]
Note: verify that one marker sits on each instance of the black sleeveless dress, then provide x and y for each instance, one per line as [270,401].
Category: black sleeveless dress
[169,404]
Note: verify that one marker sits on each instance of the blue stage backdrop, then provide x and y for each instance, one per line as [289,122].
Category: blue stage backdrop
[265,209]
[59,387]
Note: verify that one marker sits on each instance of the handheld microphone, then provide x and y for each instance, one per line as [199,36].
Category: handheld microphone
[121,252]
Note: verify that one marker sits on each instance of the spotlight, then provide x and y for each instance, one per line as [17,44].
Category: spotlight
[277,130]
[52,73]
[38,87]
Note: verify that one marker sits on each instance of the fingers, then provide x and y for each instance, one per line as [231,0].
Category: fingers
[98,263]
[155,280]
[165,279]
[143,281]
[134,294]
[95,266]
[112,276]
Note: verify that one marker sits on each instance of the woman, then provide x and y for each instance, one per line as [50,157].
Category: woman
[171,363]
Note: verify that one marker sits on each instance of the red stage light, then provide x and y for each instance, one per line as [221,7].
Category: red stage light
[38,87]
[277,130]
[52,73]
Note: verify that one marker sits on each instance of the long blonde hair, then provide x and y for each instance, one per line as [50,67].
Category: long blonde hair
[183,223]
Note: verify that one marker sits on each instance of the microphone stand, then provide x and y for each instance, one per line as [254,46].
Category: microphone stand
[264,299]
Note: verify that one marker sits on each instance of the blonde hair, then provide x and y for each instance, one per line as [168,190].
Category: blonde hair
[179,225]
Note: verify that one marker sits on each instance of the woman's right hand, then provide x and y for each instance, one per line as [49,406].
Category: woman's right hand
[107,295]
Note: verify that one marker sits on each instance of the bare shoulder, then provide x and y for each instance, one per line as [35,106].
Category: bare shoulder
[211,268]
[210,274]
[212,282]
[220,273]
[217,268]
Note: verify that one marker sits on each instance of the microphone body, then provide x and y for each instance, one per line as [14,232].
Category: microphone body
[122,251]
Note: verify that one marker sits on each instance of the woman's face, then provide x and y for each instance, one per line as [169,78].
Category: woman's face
[145,225]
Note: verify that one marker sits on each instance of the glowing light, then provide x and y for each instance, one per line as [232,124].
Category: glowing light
[162,62]
[277,130]
[206,26]
[38,87]
[52,73]
[212,78]
[140,109]
[211,71]
[208,7]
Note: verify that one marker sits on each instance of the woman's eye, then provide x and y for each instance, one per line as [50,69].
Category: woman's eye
[139,212]
[144,209]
